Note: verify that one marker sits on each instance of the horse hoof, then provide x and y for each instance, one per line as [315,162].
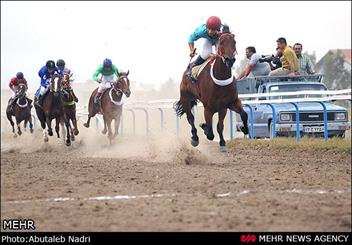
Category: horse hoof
[104,131]
[15,135]
[76,132]
[31,130]
[223,148]
[46,139]
[86,125]
[68,143]
[244,130]
[194,143]
[19,133]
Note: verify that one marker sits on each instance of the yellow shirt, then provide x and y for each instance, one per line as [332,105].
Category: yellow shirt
[289,56]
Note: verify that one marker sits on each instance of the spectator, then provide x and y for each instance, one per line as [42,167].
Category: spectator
[255,66]
[289,60]
[305,64]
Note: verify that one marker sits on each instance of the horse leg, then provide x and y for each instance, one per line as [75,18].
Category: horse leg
[18,122]
[30,125]
[105,130]
[75,128]
[208,125]
[117,123]
[9,117]
[48,123]
[25,125]
[220,128]
[108,124]
[237,107]
[91,111]
[68,137]
[57,127]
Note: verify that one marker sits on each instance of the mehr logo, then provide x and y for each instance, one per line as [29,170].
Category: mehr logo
[18,224]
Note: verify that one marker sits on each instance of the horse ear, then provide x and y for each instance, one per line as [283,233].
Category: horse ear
[128,72]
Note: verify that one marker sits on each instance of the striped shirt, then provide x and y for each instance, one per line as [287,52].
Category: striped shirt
[305,65]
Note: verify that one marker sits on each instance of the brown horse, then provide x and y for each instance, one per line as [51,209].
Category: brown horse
[216,89]
[21,111]
[53,108]
[111,104]
[69,107]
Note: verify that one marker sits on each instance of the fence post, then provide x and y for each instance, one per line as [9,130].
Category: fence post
[134,120]
[161,118]
[325,121]
[231,125]
[298,133]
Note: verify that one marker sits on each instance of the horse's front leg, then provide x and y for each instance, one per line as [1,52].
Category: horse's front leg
[48,123]
[57,127]
[74,122]
[208,125]
[30,124]
[9,117]
[68,137]
[220,128]
[18,122]
[117,123]
[108,124]
[237,107]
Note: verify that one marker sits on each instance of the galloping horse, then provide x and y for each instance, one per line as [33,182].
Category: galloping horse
[111,104]
[69,107]
[22,111]
[53,108]
[216,89]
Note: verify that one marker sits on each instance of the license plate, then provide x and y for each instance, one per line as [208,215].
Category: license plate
[314,129]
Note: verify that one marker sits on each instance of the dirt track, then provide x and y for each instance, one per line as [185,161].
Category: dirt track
[248,188]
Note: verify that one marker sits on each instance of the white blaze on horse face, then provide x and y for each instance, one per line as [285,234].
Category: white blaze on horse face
[56,84]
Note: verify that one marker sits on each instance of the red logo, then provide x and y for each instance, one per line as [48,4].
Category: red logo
[248,238]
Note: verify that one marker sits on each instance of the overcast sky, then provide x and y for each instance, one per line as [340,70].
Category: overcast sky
[150,38]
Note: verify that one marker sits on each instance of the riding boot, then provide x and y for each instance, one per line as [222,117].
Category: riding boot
[74,96]
[197,62]
[97,98]
[40,101]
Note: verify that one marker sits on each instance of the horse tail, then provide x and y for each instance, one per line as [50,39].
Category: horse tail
[179,108]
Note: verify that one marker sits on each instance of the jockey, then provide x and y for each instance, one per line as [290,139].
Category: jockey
[60,63]
[210,33]
[14,82]
[45,74]
[108,71]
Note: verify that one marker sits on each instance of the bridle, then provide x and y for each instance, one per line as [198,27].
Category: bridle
[227,59]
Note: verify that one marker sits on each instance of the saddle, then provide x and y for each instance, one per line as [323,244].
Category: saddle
[196,70]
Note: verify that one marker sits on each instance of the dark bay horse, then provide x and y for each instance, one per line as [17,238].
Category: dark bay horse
[111,104]
[53,108]
[216,89]
[22,111]
[69,107]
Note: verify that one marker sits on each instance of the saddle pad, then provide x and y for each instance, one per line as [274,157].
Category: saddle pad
[198,69]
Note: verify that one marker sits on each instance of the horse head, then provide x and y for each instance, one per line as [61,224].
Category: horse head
[21,91]
[123,84]
[227,48]
[56,85]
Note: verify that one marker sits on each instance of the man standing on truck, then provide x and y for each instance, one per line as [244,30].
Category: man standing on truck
[305,64]
[255,66]
[289,60]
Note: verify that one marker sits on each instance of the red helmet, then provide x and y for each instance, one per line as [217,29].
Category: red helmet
[214,23]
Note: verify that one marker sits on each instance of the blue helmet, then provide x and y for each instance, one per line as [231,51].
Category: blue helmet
[19,75]
[107,63]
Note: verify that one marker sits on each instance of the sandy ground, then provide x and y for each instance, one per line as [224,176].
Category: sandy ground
[161,183]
